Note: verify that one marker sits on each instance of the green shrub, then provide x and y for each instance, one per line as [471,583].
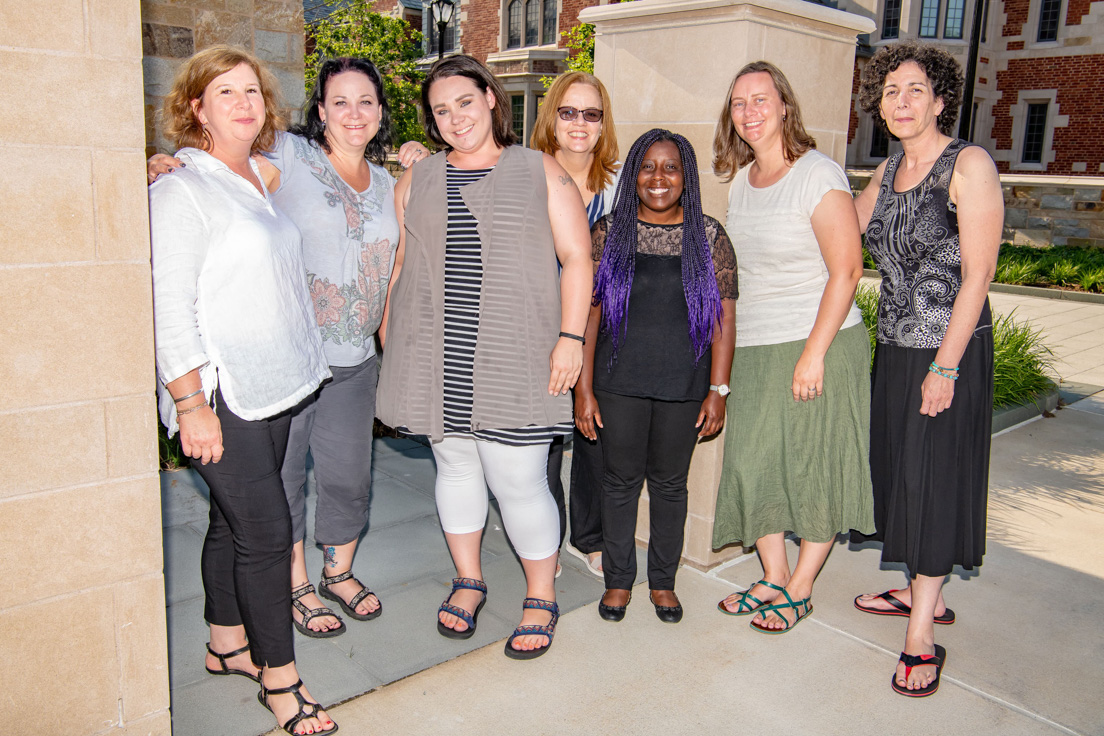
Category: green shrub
[1064,273]
[169,451]
[1022,364]
[1092,279]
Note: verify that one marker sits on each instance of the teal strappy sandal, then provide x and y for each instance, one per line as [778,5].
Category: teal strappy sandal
[790,603]
[744,609]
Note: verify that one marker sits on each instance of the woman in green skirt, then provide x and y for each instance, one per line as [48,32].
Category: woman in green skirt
[796,449]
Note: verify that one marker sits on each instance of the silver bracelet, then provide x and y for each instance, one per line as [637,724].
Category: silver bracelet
[197,407]
[185,398]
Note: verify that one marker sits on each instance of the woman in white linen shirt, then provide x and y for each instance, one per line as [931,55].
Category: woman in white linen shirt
[237,351]
[327,176]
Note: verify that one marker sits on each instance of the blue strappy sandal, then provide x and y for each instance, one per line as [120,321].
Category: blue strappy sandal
[744,609]
[460,613]
[548,630]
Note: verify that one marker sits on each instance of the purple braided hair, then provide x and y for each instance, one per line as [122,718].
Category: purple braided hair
[613,282]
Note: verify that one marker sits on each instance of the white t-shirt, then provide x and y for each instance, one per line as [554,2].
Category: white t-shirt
[782,273]
[349,244]
[229,293]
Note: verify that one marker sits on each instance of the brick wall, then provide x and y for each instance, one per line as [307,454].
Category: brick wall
[1015,17]
[480,28]
[174,29]
[1077,80]
[1077,10]
[853,120]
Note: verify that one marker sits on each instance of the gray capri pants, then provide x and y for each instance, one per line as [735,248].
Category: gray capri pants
[337,429]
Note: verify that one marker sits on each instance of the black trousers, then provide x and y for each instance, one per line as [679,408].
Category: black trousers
[586,490]
[246,558]
[555,485]
[645,439]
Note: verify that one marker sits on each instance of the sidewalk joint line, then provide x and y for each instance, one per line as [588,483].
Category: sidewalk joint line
[977,691]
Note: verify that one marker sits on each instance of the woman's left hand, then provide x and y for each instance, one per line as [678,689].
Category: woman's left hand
[566,362]
[712,415]
[411,152]
[937,393]
[808,378]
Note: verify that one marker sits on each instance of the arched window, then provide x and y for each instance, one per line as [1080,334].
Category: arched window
[532,22]
[549,27]
[513,29]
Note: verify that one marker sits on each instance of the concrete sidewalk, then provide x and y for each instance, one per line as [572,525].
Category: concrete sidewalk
[1024,656]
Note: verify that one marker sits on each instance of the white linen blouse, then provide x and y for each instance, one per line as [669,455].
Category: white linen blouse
[230,295]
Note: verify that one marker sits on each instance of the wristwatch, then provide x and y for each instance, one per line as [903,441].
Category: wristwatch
[723,389]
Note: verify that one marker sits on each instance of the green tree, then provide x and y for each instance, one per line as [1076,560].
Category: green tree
[352,29]
[580,39]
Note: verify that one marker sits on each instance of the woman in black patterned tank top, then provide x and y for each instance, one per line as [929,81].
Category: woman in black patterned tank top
[932,216]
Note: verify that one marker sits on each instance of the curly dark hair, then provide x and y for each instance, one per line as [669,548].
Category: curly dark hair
[942,69]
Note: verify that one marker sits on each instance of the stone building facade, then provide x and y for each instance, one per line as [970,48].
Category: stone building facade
[1036,104]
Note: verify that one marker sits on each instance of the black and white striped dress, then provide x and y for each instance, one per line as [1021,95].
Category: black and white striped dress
[463,284]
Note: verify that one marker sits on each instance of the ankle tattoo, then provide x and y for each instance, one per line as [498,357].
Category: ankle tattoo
[329,554]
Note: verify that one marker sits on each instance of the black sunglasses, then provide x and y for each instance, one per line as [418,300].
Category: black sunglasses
[591,114]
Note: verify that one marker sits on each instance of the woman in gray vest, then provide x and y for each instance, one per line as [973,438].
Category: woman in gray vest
[483,339]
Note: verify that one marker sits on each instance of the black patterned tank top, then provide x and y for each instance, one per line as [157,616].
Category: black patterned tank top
[913,238]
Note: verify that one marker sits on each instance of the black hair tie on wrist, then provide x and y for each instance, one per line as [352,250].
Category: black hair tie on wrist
[573,337]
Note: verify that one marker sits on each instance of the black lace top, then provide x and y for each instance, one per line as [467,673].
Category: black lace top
[666,240]
[913,238]
[656,359]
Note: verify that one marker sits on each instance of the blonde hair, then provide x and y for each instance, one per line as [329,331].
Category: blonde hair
[544,130]
[181,124]
[730,152]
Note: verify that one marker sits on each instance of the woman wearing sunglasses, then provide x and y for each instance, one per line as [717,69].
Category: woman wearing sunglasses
[575,126]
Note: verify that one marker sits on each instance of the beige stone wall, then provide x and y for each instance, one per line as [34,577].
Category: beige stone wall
[668,63]
[82,607]
[172,30]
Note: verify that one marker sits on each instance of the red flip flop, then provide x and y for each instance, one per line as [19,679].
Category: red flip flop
[938,659]
[902,609]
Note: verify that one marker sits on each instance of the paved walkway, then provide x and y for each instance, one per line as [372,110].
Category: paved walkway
[1024,657]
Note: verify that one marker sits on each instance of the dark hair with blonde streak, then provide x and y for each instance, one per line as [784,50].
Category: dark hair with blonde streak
[942,69]
[730,152]
[181,124]
[502,119]
[544,130]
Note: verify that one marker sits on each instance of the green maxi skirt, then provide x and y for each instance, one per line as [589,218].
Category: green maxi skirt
[799,466]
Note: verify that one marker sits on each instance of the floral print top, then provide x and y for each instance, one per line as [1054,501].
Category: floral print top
[349,243]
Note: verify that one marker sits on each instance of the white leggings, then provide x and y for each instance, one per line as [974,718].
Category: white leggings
[518,477]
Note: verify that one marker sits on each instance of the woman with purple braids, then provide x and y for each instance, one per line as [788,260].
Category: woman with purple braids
[796,455]
[657,354]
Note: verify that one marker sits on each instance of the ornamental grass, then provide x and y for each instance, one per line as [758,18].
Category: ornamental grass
[1022,364]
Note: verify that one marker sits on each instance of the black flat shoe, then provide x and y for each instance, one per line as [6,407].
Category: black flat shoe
[667,614]
[613,613]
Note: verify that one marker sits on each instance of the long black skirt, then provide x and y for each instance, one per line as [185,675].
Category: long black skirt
[931,474]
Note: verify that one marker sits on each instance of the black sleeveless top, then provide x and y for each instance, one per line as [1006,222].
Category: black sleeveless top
[913,238]
[656,358]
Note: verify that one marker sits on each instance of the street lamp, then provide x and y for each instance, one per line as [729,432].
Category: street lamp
[442,14]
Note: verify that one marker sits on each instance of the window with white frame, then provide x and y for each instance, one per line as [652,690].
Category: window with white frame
[952,20]
[530,23]
[929,19]
[891,19]
[1050,14]
[429,31]
[1035,128]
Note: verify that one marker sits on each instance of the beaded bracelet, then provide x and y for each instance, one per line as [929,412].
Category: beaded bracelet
[197,407]
[197,392]
[573,337]
[951,373]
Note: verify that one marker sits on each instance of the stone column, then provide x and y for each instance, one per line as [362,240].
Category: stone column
[668,64]
[82,607]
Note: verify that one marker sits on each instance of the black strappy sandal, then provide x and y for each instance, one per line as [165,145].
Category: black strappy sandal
[350,607]
[290,724]
[309,613]
[224,670]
